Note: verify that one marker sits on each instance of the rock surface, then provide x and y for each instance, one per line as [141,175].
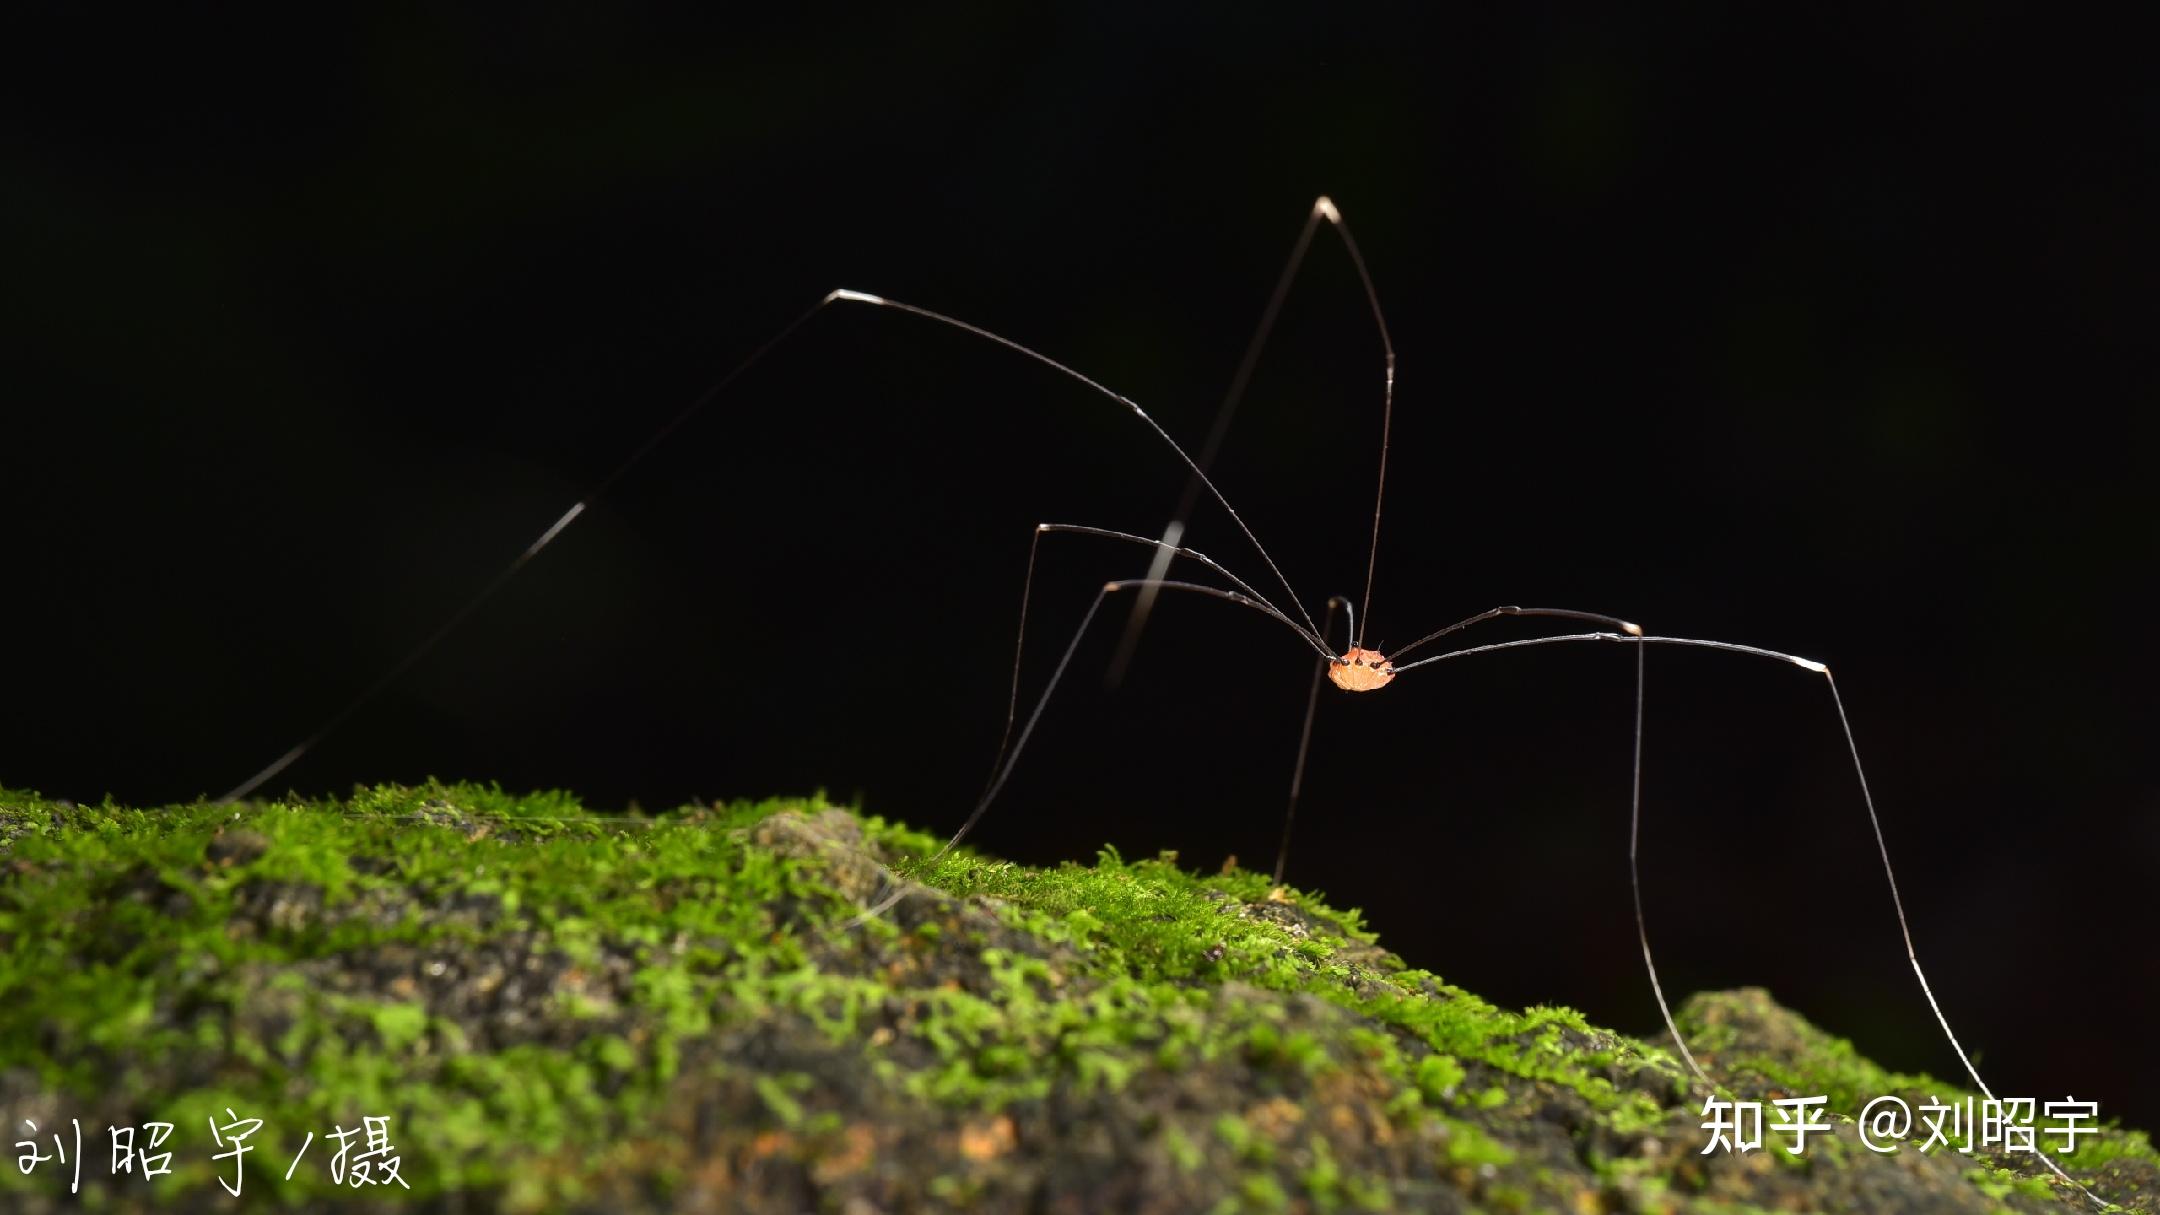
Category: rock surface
[559,1011]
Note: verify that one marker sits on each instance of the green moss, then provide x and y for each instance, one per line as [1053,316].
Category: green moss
[1467,1144]
[2001,1183]
[551,1003]
[1184,1153]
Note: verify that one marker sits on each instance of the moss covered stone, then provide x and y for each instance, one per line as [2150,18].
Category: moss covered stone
[685,1011]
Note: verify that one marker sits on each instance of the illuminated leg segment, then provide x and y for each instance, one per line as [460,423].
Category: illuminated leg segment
[1322,210]
[1867,799]
[1009,755]
[1304,742]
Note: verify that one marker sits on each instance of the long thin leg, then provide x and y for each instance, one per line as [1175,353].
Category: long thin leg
[1009,758]
[1492,613]
[1004,769]
[578,508]
[1027,585]
[1174,531]
[1297,778]
[1304,742]
[1387,417]
[1642,930]
[547,537]
[1316,640]
[1012,699]
[1867,799]
[1519,643]
[1120,398]
[1634,873]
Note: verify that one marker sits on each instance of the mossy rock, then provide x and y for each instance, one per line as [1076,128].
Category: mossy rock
[687,1011]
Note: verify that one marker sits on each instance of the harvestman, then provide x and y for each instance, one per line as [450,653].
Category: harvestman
[1355,669]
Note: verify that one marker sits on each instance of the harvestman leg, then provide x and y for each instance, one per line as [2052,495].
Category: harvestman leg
[1312,695]
[1627,634]
[1027,586]
[1009,756]
[1867,799]
[1011,746]
[1304,741]
[1245,595]
[1323,208]
[1008,751]
[449,625]
[577,509]
[1308,632]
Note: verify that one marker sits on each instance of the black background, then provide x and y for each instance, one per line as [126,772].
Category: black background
[1832,338]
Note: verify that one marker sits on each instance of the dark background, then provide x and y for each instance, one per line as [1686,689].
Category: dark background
[1832,338]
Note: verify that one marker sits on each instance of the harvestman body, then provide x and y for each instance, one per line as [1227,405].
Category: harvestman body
[1353,669]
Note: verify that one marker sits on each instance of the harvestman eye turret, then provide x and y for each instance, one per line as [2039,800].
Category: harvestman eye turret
[1360,671]
[1354,668]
